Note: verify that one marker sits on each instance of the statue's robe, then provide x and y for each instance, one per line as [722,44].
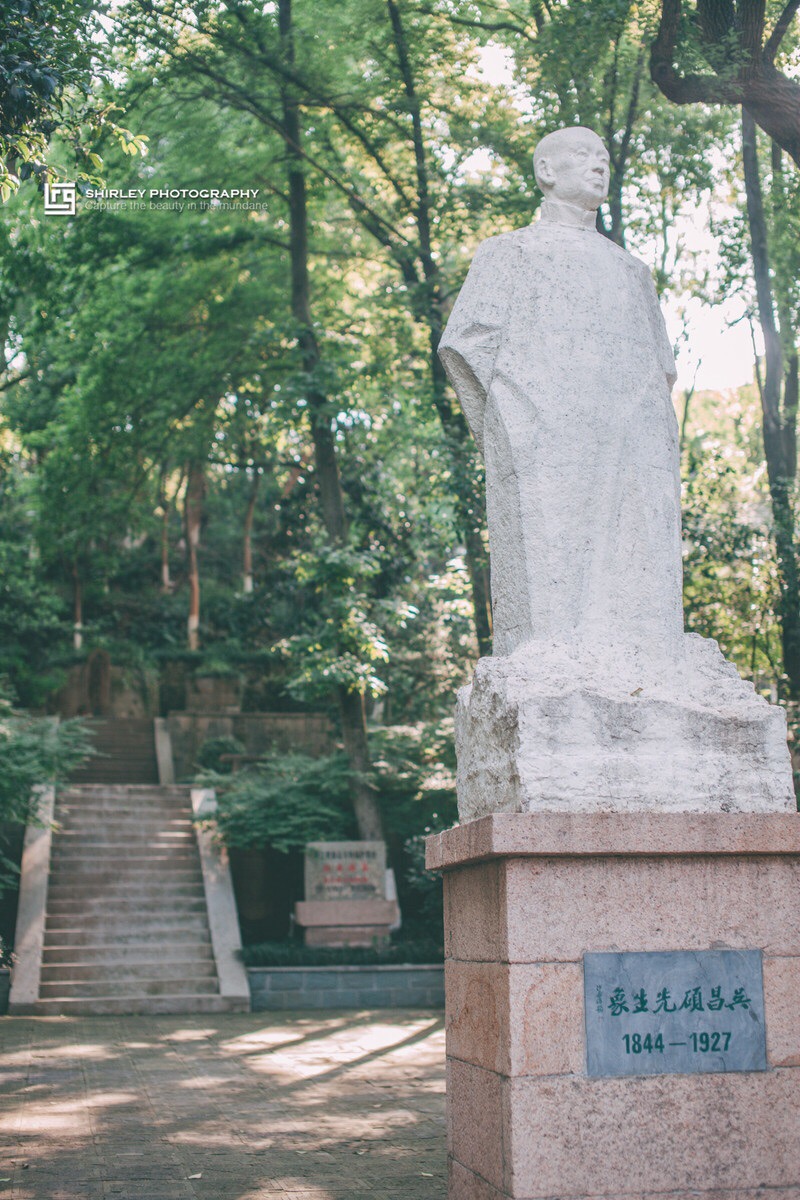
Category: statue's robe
[558,352]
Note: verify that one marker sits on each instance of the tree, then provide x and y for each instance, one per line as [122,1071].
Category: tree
[732,38]
[779,398]
[51,54]
[160,368]
[370,141]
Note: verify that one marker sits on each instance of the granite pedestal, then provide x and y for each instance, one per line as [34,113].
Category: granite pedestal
[526,897]
[345,922]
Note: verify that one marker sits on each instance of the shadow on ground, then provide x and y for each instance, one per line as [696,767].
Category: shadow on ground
[346,1106]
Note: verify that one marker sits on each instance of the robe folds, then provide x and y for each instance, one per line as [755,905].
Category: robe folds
[558,353]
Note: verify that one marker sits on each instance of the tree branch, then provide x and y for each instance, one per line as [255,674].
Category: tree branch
[781,28]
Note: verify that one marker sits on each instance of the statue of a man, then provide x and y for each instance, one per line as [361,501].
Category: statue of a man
[595,699]
[558,352]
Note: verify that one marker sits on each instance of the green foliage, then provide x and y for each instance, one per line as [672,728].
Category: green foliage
[415,776]
[294,954]
[285,801]
[32,613]
[342,645]
[212,751]
[731,586]
[33,751]
[424,888]
[51,53]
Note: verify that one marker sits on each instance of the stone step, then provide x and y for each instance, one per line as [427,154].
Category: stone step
[125,789]
[118,919]
[120,934]
[118,856]
[187,928]
[125,888]
[123,823]
[144,893]
[116,1005]
[125,805]
[100,852]
[124,810]
[71,884]
[64,988]
[133,829]
[123,833]
[126,971]
[134,851]
[119,915]
[84,825]
[144,887]
[166,863]
[132,904]
[122,791]
[113,954]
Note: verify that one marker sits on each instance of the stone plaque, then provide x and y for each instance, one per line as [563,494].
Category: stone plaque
[345,870]
[677,1012]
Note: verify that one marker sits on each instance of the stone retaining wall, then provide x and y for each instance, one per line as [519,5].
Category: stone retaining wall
[401,986]
[258,733]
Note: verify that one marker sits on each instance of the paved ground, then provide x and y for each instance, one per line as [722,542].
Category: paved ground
[345,1106]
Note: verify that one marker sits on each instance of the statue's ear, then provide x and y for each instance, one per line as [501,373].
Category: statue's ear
[544,172]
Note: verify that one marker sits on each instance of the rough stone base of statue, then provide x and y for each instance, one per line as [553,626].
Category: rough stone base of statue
[622,1005]
[559,729]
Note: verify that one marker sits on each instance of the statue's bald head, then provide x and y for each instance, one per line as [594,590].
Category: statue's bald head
[572,165]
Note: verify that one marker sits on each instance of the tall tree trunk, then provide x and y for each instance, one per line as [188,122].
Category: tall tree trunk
[166,579]
[461,448]
[193,510]
[779,407]
[351,705]
[247,536]
[164,505]
[77,607]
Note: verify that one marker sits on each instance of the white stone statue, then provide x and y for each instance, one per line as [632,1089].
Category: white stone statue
[595,699]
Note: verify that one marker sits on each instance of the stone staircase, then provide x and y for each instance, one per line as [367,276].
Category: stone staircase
[126,752]
[126,923]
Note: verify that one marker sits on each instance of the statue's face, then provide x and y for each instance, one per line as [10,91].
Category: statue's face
[576,168]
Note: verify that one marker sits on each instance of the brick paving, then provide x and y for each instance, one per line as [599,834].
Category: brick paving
[333,1106]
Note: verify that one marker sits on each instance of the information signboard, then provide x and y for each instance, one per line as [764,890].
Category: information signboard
[345,870]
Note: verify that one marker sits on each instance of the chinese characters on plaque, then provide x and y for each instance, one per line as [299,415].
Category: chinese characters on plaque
[678,1011]
[345,870]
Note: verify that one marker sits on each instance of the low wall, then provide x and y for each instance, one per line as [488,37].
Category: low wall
[401,986]
[258,733]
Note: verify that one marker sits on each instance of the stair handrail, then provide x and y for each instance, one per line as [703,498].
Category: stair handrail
[223,918]
[32,907]
[163,744]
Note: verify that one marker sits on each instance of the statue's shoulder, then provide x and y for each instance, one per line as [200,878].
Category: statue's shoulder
[631,261]
[502,245]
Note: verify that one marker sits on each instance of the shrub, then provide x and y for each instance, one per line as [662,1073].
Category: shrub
[295,954]
[212,751]
[33,750]
[284,801]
